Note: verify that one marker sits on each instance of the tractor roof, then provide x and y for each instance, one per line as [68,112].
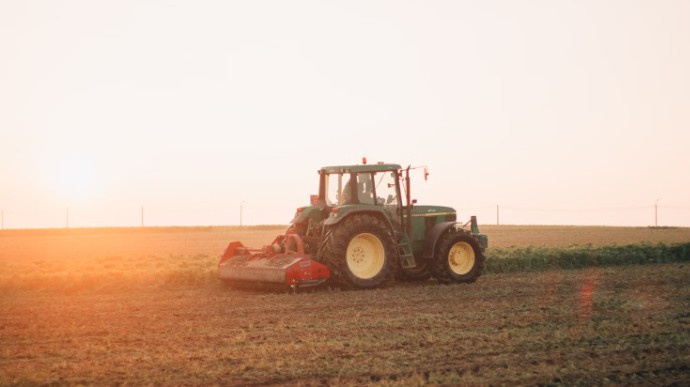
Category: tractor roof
[380,167]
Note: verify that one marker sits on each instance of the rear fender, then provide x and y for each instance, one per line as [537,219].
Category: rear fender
[433,235]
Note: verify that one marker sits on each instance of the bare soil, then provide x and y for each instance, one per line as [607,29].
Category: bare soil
[625,325]
[121,306]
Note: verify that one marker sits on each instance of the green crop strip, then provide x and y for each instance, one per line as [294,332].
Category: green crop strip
[525,259]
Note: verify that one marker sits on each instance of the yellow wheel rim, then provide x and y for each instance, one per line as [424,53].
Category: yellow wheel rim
[365,256]
[461,258]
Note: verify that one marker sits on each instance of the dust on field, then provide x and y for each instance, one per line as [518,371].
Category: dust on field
[50,244]
[115,258]
[95,243]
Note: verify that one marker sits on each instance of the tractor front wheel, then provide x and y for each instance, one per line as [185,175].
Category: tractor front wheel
[458,258]
[359,253]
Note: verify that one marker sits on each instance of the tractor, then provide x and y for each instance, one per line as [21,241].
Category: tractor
[362,231]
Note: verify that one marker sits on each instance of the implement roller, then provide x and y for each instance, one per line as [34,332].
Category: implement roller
[282,262]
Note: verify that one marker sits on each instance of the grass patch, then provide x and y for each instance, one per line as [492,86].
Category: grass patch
[108,260]
[116,273]
[525,259]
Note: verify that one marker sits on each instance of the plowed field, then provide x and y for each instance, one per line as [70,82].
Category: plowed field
[64,321]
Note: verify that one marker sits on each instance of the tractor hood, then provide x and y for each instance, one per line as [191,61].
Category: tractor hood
[434,211]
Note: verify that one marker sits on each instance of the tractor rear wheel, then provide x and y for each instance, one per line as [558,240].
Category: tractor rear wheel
[458,258]
[359,253]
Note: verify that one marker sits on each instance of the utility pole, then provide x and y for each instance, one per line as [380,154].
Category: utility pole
[656,208]
[142,216]
[497,223]
[67,217]
[2,227]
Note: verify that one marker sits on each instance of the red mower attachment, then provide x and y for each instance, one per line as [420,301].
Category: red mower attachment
[281,262]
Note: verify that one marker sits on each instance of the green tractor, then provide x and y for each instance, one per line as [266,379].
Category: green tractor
[361,231]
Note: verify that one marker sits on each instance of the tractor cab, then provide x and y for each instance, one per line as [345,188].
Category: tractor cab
[360,185]
[360,189]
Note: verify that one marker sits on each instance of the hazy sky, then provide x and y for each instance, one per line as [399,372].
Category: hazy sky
[560,112]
